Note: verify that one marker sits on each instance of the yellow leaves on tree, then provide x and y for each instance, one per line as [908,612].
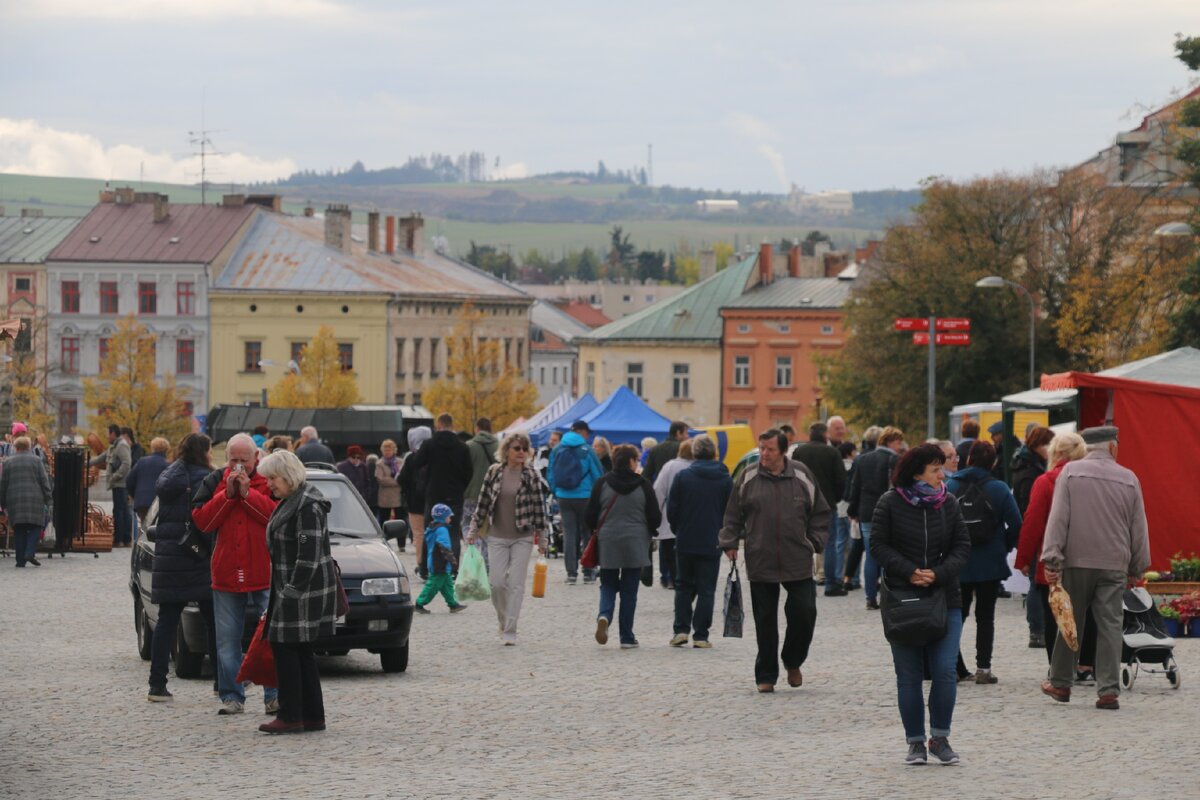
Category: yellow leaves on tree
[483,384]
[28,403]
[321,381]
[127,393]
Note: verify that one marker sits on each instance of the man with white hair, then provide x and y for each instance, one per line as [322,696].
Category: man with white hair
[235,503]
[837,431]
[310,450]
[1096,542]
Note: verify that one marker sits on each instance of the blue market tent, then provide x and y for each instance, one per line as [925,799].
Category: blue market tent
[625,419]
[579,409]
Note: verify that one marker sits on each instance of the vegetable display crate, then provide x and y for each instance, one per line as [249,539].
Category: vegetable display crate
[1172,587]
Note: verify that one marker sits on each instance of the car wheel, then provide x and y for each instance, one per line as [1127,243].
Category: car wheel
[394,660]
[187,663]
[141,624]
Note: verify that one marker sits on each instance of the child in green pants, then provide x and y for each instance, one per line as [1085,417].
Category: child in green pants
[440,561]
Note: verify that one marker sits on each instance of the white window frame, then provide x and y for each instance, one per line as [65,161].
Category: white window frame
[741,371]
[635,378]
[681,382]
[784,369]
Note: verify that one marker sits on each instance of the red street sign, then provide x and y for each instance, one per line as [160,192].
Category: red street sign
[953,324]
[912,324]
[942,338]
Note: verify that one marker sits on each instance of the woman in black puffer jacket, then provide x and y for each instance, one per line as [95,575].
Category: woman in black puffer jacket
[180,575]
[919,538]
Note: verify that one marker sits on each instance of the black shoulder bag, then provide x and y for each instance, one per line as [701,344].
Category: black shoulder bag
[913,616]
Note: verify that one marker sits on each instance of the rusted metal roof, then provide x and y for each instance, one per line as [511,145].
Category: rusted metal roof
[288,253]
[796,293]
[28,240]
[127,233]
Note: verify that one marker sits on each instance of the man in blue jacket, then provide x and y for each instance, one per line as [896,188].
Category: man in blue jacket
[986,503]
[696,510]
[573,469]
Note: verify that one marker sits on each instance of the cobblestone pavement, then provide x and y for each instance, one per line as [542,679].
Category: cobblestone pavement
[557,716]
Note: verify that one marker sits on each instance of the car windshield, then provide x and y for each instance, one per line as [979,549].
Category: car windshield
[347,517]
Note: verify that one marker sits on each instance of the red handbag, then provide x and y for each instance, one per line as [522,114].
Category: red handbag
[259,664]
[591,553]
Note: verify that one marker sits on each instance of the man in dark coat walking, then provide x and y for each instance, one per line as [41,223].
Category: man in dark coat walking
[447,463]
[665,450]
[826,464]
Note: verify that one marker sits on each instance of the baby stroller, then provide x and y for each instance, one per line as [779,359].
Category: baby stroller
[554,547]
[1145,641]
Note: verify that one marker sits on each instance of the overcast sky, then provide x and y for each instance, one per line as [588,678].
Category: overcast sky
[857,94]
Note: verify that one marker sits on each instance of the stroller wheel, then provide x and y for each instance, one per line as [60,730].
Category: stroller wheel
[1173,676]
[1128,675]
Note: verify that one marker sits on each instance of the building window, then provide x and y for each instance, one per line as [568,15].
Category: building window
[743,329]
[590,378]
[555,376]
[633,378]
[148,345]
[346,357]
[783,371]
[416,360]
[741,370]
[70,355]
[298,351]
[185,357]
[70,297]
[104,343]
[681,383]
[399,358]
[253,355]
[742,421]
[508,353]
[185,298]
[649,298]
[400,397]
[626,298]
[416,398]
[826,330]
[785,328]
[68,415]
[24,285]
[542,376]
[520,354]
[433,356]
[109,302]
[147,298]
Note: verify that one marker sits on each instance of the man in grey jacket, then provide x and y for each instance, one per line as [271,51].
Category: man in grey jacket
[25,498]
[1096,543]
[117,461]
[483,454]
[778,509]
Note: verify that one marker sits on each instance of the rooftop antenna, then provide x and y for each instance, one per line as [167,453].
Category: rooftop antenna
[200,138]
[650,165]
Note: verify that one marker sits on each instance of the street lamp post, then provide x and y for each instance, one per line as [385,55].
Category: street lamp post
[996,282]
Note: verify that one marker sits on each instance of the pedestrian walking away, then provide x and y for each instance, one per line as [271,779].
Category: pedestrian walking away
[871,479]
[777,508]
[412,485]
[482,448]
[447,462]
[511,512]
[1096,543]
[310,450]
[180,575]
[624,514]
[25,497]
[574,470]
[826,464]
[303,592]
[696,509]
[142,477]
[234,505]
[919,539]
[666,534]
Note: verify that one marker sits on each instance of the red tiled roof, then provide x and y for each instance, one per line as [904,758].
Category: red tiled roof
[1168,108]
[128,233]
[549,342]
[584,312]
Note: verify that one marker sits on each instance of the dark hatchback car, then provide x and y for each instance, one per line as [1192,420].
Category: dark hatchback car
[381,600]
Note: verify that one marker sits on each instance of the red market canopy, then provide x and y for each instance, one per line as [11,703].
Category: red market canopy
[1156,404]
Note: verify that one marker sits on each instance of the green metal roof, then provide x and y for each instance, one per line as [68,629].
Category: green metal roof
[28,240]
[694,314]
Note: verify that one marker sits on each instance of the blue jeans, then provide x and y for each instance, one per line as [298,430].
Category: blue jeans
[25,542]
[122,516]
[910,672]
[835,552]
[625,581]
[695,579]
[870,567]
[229,611]
[575,532]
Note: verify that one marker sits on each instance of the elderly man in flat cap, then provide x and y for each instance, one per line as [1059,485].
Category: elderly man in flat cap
[1096,543]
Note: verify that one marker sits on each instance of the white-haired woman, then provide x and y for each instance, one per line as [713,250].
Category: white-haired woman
[303,592]
[512,508]
[412,486]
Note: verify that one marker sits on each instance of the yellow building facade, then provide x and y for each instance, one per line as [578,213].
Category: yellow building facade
[681,381]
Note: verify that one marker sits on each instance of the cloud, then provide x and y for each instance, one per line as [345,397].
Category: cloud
[763,134]
[909,64]
[137,10]
[31,149]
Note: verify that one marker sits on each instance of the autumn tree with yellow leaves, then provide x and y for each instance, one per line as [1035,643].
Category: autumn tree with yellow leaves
[320,382]
[128,393]
[479,382]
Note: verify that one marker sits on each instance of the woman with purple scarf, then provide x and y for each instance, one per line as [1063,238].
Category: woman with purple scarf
[919,538]
[387,474]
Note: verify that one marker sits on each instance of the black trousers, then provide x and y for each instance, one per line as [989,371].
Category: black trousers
[1087,639]
[666,559]
[300,697]
[800,615]
[984,594]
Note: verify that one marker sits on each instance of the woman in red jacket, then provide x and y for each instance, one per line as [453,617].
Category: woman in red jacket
[1064,448]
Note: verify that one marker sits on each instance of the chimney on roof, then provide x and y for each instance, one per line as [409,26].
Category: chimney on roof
[389,229]
[373,232]
[765,274]
[32,212]
[271,201]
[708,263]
[107,196]
[834,263]
[794,260]
[124,195]
[412,234]
[309,211]
[337,227]
[162,209]
[233,200]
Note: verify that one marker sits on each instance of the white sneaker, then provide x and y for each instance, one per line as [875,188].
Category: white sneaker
[231,707]
[678,640]
[271,706]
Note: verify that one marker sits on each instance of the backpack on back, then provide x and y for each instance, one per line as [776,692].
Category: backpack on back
[568,469]
[977,512]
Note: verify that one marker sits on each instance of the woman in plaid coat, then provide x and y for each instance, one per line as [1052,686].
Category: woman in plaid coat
[303,592]
[511,512]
